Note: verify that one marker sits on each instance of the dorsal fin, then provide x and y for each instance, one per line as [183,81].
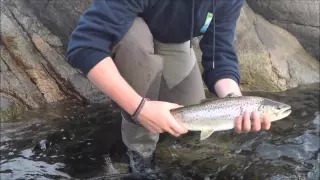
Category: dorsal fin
[231,95]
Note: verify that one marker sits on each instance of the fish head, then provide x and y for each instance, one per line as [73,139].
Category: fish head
[274,110]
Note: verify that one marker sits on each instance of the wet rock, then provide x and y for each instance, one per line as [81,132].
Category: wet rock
[301,18]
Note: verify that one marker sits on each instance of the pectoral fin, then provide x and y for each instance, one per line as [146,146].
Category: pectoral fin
[205,134]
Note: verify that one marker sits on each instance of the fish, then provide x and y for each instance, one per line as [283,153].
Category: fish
[211,115]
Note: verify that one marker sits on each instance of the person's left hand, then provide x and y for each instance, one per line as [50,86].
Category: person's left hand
[244,124]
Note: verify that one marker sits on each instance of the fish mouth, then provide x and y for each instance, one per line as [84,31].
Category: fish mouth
[284,113]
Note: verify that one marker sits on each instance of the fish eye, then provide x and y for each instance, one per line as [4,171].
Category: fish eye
[280,106]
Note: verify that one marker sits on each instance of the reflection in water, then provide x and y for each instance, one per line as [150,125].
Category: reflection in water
[85,142]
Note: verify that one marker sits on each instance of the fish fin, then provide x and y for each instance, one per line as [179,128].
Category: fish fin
[231,95]
[205,134]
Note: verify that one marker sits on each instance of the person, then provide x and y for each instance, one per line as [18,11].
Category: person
[140,53]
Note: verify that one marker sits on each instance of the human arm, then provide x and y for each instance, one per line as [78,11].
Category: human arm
[155,115]
[220,62]
[89,50]
[225,86]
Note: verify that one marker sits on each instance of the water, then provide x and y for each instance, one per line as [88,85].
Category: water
[71,142]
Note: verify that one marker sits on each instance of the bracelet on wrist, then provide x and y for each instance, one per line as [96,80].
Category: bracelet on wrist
[135,115]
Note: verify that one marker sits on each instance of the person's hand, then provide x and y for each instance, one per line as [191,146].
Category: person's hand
[244,124]
[247,122]
[156,117]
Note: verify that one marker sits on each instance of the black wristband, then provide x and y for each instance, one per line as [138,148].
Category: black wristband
[138,110]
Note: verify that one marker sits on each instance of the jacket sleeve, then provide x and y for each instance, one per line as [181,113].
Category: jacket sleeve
[99,29]
[219,58]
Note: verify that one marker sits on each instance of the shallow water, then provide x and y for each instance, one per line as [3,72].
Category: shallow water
[67,141]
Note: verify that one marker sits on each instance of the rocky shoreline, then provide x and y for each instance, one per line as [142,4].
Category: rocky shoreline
[34,35]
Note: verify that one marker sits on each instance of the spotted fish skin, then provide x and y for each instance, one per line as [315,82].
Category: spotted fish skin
[220,114]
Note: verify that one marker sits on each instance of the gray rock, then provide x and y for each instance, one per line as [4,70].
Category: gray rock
[35,33]
[10,107]
[21,49]
[34,70]
[16,83]
[59,16]
[270,58]
[301,18]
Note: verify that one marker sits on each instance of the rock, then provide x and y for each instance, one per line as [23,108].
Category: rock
[15,82]
[59,16]
[68,76]
[22,51]
[271,59]
[34,70]
[301,18]
[10,107]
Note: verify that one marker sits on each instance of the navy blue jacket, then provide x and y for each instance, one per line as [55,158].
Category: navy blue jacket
[170,21]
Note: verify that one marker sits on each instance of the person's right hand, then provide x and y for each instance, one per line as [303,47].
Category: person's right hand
[156,117]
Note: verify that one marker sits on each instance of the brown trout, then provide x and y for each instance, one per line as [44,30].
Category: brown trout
[220,114]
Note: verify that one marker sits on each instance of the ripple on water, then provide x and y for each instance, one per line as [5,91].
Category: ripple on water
[316,120]
[22,168]
[27,153]
[315,173]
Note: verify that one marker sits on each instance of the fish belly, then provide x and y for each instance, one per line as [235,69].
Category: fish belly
[210,124]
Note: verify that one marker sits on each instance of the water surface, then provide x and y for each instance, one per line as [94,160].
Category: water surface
[71,142]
